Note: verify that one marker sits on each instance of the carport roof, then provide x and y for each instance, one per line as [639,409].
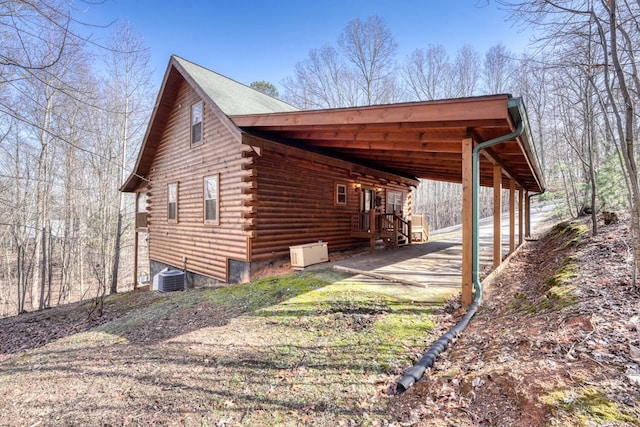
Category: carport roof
[420,139]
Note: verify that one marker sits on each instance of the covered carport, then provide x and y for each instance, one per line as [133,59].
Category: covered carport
[478,141]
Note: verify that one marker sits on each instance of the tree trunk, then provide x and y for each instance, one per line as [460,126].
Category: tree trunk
[116,255]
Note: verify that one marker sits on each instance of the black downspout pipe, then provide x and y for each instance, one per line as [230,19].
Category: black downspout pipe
[429,358]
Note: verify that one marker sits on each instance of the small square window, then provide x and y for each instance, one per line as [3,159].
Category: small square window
[196,123]
[341,194]
[172,202]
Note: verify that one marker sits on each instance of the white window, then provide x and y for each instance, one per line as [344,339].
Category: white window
[341,194]
[196,123]
[394,202]
[211,199]
[172,202]
[141,206]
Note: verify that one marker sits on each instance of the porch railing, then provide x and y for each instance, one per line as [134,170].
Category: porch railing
[381,225]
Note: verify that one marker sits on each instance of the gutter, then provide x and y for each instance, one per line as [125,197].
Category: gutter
[428,359]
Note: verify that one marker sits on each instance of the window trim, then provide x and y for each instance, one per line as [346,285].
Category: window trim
[336,200]
[192,124]
[215,221]
[169,218]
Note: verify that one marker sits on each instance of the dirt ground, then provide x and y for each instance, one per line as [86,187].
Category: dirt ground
[556,342]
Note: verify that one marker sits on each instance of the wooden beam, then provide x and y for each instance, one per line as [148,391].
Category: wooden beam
[415,136]
[497,216]
[467,222]
[496,160]
[135,259]
[136,207]
[372,230]
[512,216]
[520,217]
[464,110]
[527,214]
[332,161]
[411,157]
[389,145]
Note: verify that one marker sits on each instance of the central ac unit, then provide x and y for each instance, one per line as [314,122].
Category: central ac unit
[168,281]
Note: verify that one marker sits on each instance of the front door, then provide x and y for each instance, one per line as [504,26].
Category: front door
[366,204]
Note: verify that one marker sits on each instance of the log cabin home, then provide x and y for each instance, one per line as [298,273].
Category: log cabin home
[223,201]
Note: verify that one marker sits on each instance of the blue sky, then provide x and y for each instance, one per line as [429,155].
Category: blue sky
[263,40]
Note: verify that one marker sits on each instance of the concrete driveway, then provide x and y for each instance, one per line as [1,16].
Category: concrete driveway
[436,264]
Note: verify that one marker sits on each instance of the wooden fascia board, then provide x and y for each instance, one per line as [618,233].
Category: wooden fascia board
[466,110]
[518,108]
[533,167]
[256,141]
[247,121]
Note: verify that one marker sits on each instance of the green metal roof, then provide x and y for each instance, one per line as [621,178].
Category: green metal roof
[231,97]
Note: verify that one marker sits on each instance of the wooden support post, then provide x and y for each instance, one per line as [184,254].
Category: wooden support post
[396,226]
[520,217]
[135,259]
[497,216]
[512,216]
[372,230]
[467,221]
[527,215]
[135,243]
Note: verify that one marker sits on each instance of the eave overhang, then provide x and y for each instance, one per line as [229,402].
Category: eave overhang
[420,139]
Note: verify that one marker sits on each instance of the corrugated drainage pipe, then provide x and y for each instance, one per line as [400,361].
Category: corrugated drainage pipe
[429,358]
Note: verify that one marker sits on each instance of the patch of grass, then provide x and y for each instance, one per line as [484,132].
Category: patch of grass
[243,298]
[555,299]
[301,349]
[586,407]
[570,231]
[371,330]
[567,271]
[262,293]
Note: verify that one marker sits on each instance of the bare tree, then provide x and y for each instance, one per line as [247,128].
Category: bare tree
[428,73]
[360,73]
[26,30]
[466,71]
[531,78]
[498,69]
[129,88]
[613,31]
[56,120]
[370,48]
[321,81]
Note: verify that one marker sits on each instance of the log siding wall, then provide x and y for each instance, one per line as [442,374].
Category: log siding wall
[295,200]
[207,247]
[271,196]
